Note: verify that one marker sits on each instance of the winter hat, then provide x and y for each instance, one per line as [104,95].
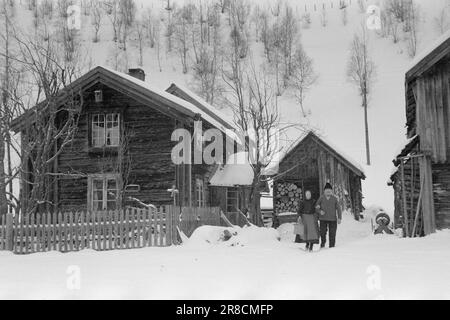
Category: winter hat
[328,186]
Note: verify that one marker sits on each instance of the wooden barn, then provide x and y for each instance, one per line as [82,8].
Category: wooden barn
[85,176]
[421,179]
[308,165]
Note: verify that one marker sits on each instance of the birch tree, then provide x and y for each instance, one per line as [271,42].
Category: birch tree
[361,72]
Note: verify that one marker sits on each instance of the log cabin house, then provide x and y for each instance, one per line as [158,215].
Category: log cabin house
[309,164]
[114,104]
[421,177]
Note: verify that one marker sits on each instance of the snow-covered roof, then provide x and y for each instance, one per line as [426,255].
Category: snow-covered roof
[185,104]
[330,145]
[428,51]
[236,172]
[149,91]
[266,201]
[203,104]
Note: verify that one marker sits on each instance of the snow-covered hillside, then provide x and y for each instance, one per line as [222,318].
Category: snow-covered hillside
[333,101]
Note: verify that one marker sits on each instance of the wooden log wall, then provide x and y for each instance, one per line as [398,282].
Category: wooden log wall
[432,92]
[150,148]
[441,191]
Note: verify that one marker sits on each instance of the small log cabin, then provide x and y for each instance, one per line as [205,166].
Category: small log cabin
[308,165]
[114,104]
[421,178]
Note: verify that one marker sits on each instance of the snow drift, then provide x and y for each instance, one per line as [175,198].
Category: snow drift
[236,236]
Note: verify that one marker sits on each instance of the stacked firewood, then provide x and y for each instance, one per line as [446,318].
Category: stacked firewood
[288,197]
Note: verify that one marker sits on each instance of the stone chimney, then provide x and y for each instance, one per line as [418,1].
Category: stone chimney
[138,73]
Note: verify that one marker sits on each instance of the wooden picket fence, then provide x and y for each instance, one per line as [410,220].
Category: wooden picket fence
[106,230]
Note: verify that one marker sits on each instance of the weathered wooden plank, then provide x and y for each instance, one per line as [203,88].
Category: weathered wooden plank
[169,225]
[127,228]
[110,229]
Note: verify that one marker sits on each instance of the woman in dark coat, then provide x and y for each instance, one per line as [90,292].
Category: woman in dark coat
[307,212]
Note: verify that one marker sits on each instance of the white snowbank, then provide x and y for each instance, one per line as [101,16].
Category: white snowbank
[237,171]
[408,269]
[237,236]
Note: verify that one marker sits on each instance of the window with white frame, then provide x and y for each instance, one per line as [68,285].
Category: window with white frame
[200,192]
[105,130]
[103,192]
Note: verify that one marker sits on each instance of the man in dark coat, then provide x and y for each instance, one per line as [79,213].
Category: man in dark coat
[330,215]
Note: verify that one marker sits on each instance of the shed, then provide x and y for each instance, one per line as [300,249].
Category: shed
[310,163]
[421,181]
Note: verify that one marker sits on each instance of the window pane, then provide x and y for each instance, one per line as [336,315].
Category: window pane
[97,206]
[112,190]
[98,130]
[112,129]
[105,129]
[104,194]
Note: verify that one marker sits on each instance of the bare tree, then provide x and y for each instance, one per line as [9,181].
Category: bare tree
[157,40]
[207,69]
[289,37]
[140,30]
[265,34]
[5,109]
[52,124]
[258,121]
[344,15]
[442,21]
[412,22]
[148,21]
[169,7]
[323,17]
[97,14]
[361,72]
[398,8]
[183,18]
[303,77]
[128,12]
[392,26]
[115,17]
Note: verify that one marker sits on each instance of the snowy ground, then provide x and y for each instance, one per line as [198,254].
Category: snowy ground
[361,267]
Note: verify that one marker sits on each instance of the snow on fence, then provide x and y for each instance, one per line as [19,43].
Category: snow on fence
[105,230]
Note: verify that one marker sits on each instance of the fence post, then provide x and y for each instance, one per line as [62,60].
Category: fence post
[9,232]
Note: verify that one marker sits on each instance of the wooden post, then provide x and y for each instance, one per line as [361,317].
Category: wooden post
[428,209]
[405,211]
[9,232]
[419,205]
